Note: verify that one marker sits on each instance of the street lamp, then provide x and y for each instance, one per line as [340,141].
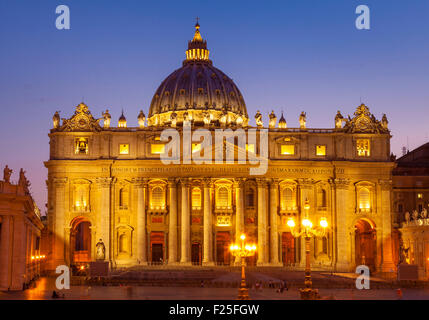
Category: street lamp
[308,231]
[243,251]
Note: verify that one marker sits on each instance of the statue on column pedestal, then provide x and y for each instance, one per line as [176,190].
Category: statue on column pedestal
[56,120]
[258,119]
[6,174]
[303,120]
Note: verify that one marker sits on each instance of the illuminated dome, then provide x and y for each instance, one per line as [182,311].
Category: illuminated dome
[198,91]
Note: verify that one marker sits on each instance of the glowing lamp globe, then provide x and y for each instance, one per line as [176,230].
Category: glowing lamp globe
[307,223]
[323,223]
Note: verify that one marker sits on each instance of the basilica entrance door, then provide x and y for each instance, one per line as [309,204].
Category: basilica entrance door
[222,248]
[157,247]
[365,244]
[196,253]
[288,249]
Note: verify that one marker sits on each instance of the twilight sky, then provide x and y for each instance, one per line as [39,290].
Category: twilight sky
[283,55]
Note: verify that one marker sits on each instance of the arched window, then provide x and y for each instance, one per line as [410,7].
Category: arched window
[222,200]
[123,198]
[196,198]
[250,197]
[158,198]
[364,199]
[321,197]
[287,199]
[123,243]
[81,198]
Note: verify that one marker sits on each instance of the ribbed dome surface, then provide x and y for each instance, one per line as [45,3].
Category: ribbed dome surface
[199,86]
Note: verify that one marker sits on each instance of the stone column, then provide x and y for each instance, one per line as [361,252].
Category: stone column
[274,236]
[239,212]
[342,224]
[5,253]
[141,186]
[59,212]
[104,222]
[186,224]
[262,223]
[67,237]
[19,254]
[208,224]
[386,230]
[172,225]
[94,240]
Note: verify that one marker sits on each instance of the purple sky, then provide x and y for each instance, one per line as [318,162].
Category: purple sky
[284,55]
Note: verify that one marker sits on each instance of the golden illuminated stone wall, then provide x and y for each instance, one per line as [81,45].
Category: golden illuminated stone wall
[141,208]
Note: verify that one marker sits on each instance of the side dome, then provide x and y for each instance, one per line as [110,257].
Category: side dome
[198,92]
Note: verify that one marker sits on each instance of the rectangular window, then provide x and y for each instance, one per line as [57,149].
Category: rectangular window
[287,149]
[363,147]
[196,147]
[157,148]
[81,146]
[320,150]
[124,148]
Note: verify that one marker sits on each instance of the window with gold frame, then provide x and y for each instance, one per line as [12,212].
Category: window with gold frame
[157,198]
[320,150]
[364,200]
[287,149]
[223,197]
[81,146]
[157,148]
[196,198]
[363,147]
[287,199]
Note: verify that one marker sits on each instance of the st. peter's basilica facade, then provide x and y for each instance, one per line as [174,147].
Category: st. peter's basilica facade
[107,185]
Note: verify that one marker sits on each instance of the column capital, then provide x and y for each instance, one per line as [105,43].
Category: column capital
[60,182]
[239,182]
[305,183]
[140,182]
[172,182]
[104,182]
[207,182]
[385,184]
[274,183]
[261,182]
[185,182]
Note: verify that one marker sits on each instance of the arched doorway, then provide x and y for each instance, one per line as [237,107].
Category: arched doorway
[288,249]
[223,241]
[196,253]
[365,244]
[80,240]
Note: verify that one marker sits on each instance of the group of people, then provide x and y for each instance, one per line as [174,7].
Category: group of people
[280,289]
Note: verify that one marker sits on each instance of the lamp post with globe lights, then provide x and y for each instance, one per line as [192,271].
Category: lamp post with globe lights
[243,251]
[308,231]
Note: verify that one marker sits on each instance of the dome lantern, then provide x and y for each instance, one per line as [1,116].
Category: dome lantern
[207,94]
[197,47]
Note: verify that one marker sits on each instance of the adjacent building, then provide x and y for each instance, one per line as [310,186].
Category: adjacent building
[411,203]
[20,234]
